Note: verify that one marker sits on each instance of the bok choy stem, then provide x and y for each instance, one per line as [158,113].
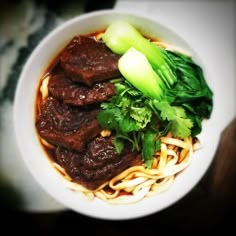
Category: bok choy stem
[135,67]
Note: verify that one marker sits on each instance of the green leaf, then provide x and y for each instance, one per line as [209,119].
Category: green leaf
[119,144]
[107,120]
[167,113]
[127,124]
[191,86]
[158,145]
[180,125]
[148,147]
[142,115]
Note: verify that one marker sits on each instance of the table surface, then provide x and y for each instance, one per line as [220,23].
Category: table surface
[23,25]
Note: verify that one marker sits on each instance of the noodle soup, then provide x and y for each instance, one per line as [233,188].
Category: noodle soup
[87,159]
[68,148]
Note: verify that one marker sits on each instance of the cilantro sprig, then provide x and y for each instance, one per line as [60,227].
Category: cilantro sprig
[180,124]
[139,120]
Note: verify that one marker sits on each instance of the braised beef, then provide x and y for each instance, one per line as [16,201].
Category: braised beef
[98,163]
[71,92]
[67,118]
[89,61]
[66,126]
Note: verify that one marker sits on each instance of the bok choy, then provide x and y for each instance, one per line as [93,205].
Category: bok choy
[135,67]
[120,36]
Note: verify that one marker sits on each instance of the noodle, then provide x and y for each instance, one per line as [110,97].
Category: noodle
[137,182]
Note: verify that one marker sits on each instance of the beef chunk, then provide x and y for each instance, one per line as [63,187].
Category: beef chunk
[88,61]
[66,126]
[98,164]
[71,92]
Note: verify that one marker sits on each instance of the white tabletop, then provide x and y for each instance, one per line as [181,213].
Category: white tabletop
[208,26]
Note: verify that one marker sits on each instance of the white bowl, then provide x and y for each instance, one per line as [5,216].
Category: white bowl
[31,149]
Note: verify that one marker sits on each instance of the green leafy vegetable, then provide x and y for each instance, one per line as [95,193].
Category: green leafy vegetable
[135,67]
[191,87]
[180,125]
[191,91]
[120,36]
[149,147]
